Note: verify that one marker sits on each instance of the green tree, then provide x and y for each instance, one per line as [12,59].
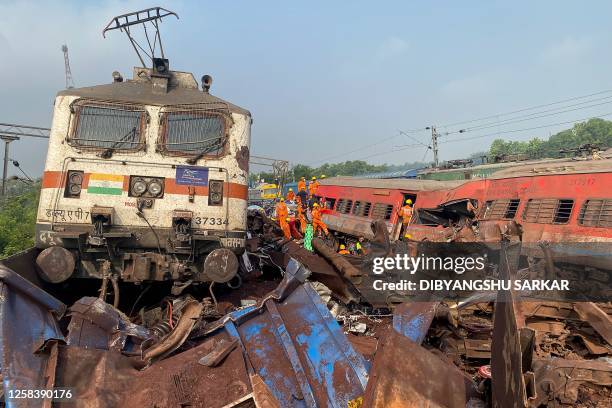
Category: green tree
[17,221]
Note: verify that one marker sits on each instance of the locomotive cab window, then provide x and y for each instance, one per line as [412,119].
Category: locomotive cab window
[107,126]
[193,133]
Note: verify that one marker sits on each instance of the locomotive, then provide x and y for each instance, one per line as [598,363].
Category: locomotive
[146,179]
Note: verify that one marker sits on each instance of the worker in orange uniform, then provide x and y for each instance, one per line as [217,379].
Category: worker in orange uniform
[406,213]
[302,184]
[317,222]
[281,215]
[290,195]
[300,213]
[343,250]
[313,187]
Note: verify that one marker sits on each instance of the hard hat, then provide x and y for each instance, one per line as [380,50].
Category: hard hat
[323,176]
[288,219]
[315,205]
[303,178]
[290,189]
[342,246]
[282,200]
[314,178]
[408,201]
[408,236]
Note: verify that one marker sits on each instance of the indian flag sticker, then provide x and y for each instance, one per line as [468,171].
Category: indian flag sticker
[110,184]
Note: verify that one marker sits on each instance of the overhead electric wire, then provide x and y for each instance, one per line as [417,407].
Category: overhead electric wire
[527,117]
[405,147]
[525,129]
[524,109]
[522,118]
[414,138]
[401,132]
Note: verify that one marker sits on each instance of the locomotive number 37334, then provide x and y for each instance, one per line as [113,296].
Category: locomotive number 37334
[209,221]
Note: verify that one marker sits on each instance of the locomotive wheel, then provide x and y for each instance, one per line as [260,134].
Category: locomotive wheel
[221,265]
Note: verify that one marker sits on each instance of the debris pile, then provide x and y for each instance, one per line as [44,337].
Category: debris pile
[297,330]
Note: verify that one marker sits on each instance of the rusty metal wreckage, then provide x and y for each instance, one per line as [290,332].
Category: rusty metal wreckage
[276,325]
[302,337]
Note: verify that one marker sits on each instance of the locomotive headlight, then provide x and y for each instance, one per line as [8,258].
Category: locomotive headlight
[139,187]
[74,183]
[155,188]
[146,187]
[74,189]
[215,192]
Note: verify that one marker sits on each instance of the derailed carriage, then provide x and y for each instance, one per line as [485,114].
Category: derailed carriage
[149,174]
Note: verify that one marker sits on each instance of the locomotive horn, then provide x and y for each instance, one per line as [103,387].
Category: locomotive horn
[206,83]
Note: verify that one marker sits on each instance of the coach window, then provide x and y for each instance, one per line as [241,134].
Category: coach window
[596,213]
[500,209]
[108,127]
[344,206]
[193,133]
[348,206]
[382,211]
[362,208]
[330,202]
[548,211]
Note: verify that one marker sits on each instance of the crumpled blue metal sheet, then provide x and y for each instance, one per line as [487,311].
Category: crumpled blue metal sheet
[292,341]
[414,319]
[28,324]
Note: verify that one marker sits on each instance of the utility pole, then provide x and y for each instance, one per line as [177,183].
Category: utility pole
[7,139]
[10,132]
[434,144]
[69,81]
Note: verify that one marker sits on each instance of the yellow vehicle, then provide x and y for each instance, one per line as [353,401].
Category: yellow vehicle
[264,192]
[270,192]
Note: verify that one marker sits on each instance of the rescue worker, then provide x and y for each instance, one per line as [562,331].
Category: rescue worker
[302,184]
[313,187]
[290,195]
[406,213]
[308,235]
[317,222]
[301,216]
[343,250]
[281,216]
[360,246]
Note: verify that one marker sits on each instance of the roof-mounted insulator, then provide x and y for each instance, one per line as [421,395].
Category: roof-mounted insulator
[117,76]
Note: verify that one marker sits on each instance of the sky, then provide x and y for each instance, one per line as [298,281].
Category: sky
[331,80]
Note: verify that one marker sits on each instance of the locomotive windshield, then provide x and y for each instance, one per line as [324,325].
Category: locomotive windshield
[108,127]
[193,133]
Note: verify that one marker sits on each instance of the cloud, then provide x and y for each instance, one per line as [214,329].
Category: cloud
[391,47]
[567,48]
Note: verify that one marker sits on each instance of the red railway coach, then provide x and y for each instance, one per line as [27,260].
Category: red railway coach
[351,204]
[566,207]
[569,202]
